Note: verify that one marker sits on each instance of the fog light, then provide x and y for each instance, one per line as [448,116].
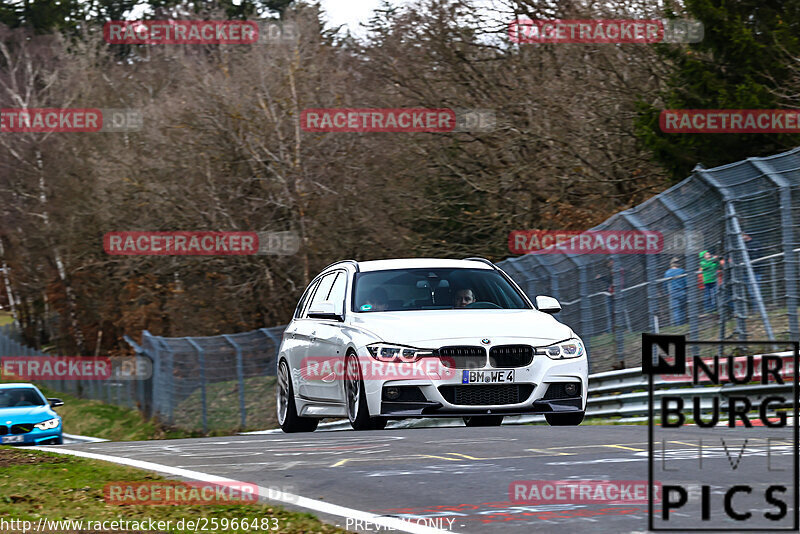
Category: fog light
[571,389]
[392,393]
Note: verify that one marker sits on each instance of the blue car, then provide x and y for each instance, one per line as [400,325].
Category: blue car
[27,417]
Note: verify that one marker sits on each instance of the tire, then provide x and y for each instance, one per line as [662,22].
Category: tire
[483,420]
[379,423]
[357,409]
[564,419]
[287,410]
[59,440]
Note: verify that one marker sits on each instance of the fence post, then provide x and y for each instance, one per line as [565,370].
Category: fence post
[692,264]
[730,212]
[753,283]
[202,360]
[277,343]
[145,403]
[728,292]
[650,271]
[787,242]
[240,378]
[151,396]
[617,313]
[586,323]
[520,279]
[167,392]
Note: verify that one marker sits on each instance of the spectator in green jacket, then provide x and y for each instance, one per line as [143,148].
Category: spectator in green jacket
[709,265]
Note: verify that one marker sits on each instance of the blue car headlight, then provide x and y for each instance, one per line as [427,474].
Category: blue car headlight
[50,424]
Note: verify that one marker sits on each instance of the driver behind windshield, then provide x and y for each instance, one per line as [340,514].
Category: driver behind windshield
[22,397]
[463,298]
[378,299]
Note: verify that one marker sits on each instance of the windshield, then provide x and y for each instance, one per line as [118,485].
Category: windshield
[434,289]
[16,397]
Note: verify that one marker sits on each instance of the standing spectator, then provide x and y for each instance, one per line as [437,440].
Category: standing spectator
[676,288]
[709,266]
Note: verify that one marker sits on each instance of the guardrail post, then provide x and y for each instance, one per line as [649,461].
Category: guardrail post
[202,361]
[240,378]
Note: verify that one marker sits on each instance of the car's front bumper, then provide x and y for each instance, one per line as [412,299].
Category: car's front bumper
[534,380]
[391,409]
[35,437]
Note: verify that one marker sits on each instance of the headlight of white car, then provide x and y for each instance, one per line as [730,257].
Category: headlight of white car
[397,354]
[572,348]
[48,425]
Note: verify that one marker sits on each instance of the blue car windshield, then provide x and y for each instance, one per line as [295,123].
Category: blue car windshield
[17,397]
[434,289]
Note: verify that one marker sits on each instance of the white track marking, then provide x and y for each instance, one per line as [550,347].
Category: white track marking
[295,500]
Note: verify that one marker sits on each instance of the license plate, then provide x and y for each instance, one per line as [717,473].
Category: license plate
[487,377]
[13,439]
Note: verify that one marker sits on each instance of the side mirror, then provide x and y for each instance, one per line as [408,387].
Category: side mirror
[547,304]
[55,402]
[324,310]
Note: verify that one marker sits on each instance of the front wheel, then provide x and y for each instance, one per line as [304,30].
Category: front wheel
[357,410]
[564,419]
[287,410]
[484,420]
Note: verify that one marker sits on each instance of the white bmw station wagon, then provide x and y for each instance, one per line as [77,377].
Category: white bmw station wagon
[392,339]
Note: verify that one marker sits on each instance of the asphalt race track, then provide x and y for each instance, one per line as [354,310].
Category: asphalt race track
[463,474]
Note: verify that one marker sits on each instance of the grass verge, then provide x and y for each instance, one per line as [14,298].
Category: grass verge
[222,404]
[86,417]
[71,488]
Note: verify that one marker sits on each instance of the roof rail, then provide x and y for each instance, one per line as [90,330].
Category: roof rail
[482,260]
[354,262]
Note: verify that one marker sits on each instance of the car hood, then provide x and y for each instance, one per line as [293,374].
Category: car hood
[424,328]
[26,414]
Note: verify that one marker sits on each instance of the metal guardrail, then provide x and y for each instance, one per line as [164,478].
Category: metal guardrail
[624,393]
